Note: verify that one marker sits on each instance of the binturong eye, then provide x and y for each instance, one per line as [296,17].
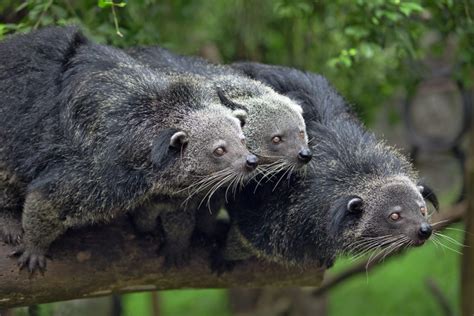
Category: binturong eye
[355,205]
[395,216]
[424,211]
[276,139]
[219,151]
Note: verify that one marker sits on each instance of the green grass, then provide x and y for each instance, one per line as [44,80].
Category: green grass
[137,304]
[194,302]
[398,286]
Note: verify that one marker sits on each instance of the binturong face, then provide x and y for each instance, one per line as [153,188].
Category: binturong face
[275,129]
[213,153]
[276,132]
[391,216]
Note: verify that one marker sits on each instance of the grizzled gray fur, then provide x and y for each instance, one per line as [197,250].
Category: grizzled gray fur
[88,133]
[358,195]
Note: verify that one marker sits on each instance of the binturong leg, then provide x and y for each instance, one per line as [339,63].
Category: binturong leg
[178,226]
[42,225]
[10,226]
[11,200]
[145,217]
[231,253]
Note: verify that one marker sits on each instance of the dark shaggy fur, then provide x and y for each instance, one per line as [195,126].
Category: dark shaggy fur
[310,219]
[87,133]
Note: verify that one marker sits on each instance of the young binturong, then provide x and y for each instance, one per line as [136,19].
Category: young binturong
[87,133]
[359,195]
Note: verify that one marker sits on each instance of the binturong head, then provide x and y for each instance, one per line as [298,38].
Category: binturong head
[205,148]
[275,129]
[388,214]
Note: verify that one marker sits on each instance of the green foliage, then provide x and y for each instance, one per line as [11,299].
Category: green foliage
[367,48]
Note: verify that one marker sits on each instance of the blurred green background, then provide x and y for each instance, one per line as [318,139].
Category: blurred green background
[373,51]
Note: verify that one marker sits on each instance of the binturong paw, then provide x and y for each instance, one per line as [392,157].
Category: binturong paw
[174,256]
[32,259]
[219,265]
[11,233]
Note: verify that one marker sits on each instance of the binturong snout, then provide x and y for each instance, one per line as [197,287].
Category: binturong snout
[305,155]
[425,231]
[251,162]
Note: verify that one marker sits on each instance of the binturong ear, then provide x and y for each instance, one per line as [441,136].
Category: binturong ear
[429,195]
[345,208]
[162,153]
[241,115]
[298,108]
[179,140]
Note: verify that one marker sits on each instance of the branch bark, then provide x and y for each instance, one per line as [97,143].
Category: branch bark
[110,259]
[445,218]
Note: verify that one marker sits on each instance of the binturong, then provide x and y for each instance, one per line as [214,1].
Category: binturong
[359,194]
[87,134]
[275,130]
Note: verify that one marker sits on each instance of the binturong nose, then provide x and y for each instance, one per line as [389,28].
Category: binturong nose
[425,231]
[305,155]
[251,162]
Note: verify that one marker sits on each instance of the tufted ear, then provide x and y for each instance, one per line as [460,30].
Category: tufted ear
[178,140]
[228,103]
[355,205]
[161,152]
[337,214]
[429,195]
[344,208]
[297,107]
[241,115]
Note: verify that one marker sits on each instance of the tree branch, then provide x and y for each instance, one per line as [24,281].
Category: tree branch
[439,296]
[446,218]
[110,259]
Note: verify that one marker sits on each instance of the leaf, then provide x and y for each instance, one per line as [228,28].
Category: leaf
[104,3]
[108,3]
[392,16]
[367,49]
[356,31]
[408,7]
